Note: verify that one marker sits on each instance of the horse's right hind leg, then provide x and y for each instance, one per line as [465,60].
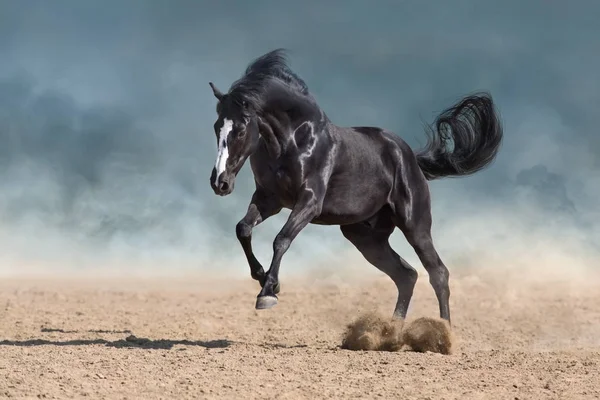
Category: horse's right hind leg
[373,243]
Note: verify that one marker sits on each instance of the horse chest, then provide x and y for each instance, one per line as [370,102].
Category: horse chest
[282,179]
[283,183]
[280,182]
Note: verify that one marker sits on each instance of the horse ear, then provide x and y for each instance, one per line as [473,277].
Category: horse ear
[218,94]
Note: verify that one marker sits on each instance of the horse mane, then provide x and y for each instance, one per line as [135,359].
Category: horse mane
[259,76]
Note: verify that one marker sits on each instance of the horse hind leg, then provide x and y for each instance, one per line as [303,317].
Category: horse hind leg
[373,244]
[416,226]
[438,273]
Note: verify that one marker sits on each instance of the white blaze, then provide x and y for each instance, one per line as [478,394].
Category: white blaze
[223,152]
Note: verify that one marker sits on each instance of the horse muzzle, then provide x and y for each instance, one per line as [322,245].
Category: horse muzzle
[223,184]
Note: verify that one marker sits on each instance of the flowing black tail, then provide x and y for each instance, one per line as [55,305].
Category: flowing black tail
[466,139]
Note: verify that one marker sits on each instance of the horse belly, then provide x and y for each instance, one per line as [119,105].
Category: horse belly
[342,207]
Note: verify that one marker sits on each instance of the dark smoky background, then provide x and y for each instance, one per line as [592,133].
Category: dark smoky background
[107,142]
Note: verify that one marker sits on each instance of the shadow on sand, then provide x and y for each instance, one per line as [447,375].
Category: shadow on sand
[130,341]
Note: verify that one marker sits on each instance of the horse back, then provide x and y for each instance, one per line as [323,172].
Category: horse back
[373,147]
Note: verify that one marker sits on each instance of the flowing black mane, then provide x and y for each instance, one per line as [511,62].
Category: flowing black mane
[261,74]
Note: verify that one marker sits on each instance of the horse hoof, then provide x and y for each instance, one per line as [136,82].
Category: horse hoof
[277,288]
[265,302]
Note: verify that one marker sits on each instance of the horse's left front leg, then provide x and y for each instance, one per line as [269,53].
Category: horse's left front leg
[262,206]
[307,207]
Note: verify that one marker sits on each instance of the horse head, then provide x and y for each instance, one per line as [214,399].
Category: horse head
[237,133]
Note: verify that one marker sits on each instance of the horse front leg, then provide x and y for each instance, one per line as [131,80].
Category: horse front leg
[307,207]
[262,206]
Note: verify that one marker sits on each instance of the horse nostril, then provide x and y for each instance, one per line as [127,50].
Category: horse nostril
[223,186]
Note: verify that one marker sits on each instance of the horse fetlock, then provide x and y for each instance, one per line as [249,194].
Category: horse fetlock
[262,279]
[270,287]
[260,276]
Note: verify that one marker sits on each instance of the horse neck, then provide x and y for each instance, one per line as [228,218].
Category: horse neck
[284,116]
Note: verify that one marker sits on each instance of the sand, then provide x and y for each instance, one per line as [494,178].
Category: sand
[194,336]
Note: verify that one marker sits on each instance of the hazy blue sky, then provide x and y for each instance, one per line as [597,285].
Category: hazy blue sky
[106,119]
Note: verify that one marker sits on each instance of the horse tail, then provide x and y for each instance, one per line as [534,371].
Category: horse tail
[475,130]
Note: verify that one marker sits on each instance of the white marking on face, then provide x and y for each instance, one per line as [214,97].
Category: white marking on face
[223,151]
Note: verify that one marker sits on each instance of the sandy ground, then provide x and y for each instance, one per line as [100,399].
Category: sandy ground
[532,337]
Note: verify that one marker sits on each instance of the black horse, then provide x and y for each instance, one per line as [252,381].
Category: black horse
[365,179]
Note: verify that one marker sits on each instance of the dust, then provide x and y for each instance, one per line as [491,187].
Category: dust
[373,332]
[429,334]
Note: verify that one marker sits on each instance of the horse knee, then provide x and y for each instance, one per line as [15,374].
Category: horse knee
[243,230]
[281,243]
